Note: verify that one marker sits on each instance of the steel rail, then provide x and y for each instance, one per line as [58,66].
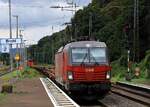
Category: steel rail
[134,86]
[131,92]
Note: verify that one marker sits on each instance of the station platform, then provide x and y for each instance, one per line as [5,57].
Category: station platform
[27,93]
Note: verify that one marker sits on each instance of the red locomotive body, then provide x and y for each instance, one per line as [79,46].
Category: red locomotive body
[83,69]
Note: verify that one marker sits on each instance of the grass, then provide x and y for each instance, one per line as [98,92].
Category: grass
[9,76]
[26,73]
[2,96]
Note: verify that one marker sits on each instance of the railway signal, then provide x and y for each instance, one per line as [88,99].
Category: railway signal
[127,30]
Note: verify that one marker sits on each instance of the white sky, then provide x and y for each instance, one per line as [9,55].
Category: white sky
[36,17]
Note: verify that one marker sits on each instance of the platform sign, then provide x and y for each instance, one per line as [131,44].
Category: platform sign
[2,41]
[4,48]
[10,41]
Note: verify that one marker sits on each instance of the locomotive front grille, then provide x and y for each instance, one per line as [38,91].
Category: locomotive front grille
[89,76]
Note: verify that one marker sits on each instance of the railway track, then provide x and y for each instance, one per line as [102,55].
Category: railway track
[135,93]
[93,104]
[57,96]
[4,73]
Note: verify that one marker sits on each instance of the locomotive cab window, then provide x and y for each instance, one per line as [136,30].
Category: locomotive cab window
[98,55]
[79,54]
[88,55]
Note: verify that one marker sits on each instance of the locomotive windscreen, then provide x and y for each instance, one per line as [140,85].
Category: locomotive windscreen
[88,55]
[98,55]
[78,54]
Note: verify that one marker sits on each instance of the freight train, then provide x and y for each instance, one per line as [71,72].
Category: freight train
[82,69]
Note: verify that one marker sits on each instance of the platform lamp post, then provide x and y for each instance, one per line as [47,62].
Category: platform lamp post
[17,27]
[25,53]
[21,55]
[10,31]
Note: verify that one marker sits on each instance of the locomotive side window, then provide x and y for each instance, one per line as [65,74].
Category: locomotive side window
[98,55]
[79,54]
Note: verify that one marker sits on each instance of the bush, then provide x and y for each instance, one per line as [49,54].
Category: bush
[145,65]
[29,73]
[118,70]
[7,89]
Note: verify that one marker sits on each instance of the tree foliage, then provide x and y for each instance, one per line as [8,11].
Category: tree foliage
[109,19]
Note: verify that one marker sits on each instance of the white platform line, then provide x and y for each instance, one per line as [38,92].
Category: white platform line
[51,96]
[48,93]
[65,94]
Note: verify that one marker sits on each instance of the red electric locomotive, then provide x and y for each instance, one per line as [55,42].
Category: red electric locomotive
[83,69]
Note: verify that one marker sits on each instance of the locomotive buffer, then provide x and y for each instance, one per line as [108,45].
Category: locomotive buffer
[57,96]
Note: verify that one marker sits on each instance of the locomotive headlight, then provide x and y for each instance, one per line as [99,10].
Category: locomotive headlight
[108,75]
[70,75]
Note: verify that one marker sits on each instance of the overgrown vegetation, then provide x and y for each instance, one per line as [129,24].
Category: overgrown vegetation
[29,73]
[119,70]
[145,65]
[26,73]
[9,79]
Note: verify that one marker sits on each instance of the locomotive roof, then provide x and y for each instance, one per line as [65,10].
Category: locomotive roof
[85,44]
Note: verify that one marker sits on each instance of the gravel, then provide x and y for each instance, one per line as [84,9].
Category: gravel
[113,100]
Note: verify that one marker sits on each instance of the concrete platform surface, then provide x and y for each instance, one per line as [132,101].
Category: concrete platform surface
[27,93]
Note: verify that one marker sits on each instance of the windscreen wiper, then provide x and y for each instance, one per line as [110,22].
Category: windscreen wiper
[96,63]
[84,58]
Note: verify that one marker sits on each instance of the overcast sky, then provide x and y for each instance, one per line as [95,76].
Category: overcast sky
[36,17]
